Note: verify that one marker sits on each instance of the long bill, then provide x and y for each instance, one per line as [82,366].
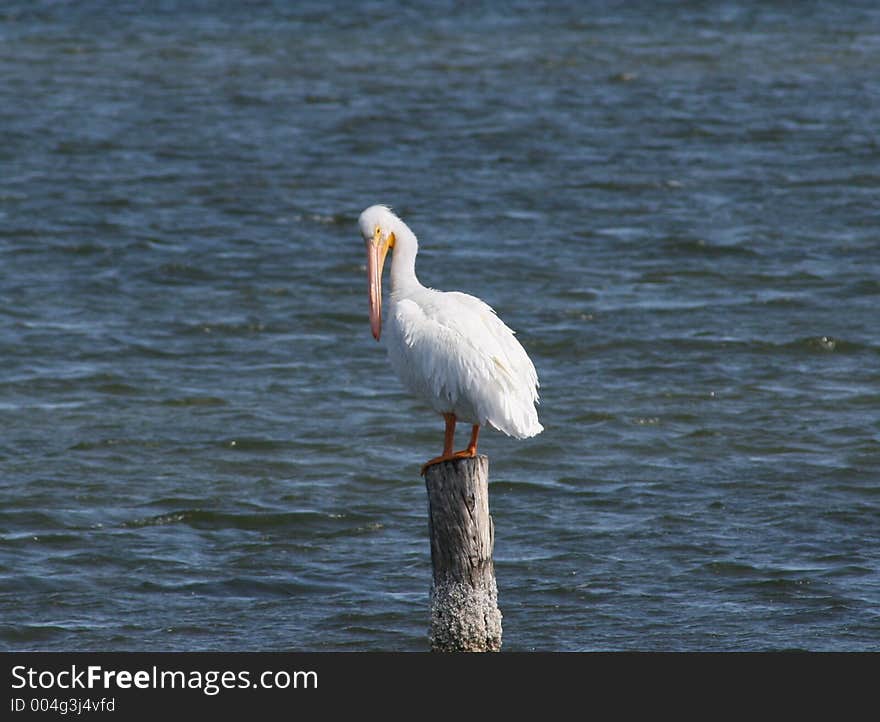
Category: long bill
[376,252]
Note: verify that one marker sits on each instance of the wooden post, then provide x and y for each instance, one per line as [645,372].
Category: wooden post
[464,598]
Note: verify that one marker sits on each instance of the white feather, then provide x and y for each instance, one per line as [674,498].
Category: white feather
[451,350]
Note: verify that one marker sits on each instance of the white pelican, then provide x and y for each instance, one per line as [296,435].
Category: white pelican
[449,349]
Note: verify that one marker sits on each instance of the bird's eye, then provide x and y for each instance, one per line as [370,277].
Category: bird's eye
[378,231]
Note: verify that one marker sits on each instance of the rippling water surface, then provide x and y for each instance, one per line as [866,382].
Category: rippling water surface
[676,205]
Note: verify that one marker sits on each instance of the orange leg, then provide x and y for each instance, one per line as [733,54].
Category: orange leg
[449,435]
[472,447]
[449,440]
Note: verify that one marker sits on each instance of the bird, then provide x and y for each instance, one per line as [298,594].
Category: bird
[448,348]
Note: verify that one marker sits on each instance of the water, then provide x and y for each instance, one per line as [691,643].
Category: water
[674,204]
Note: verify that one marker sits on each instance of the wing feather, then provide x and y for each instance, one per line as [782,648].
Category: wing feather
[454,351]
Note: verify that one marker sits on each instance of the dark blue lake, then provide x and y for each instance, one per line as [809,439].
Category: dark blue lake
[675,205]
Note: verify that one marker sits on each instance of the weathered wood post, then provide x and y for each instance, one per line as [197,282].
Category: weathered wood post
[464,597]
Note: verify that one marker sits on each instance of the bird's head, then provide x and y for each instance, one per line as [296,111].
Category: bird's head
[377,224]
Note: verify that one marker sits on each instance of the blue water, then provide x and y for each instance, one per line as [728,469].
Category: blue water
[675,204]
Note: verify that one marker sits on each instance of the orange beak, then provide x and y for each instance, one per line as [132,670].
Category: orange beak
[377,249]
